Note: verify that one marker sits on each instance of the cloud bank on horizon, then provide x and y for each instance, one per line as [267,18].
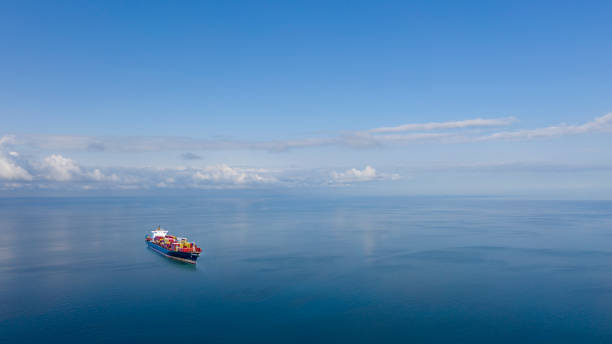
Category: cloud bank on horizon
[56,170]
[59,172]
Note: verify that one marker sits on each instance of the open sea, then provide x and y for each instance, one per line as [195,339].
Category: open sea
[290,269]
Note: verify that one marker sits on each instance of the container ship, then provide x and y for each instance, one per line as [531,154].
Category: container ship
[173,247]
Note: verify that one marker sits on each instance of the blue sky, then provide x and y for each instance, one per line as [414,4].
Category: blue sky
[199,95]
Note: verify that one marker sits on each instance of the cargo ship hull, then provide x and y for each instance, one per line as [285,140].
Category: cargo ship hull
[187,257]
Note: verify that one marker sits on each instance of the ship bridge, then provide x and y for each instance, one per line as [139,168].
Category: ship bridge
[159,232]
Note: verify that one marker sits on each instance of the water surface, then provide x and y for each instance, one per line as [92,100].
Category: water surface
[293,269]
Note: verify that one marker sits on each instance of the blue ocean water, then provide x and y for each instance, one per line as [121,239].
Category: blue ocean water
[287,269]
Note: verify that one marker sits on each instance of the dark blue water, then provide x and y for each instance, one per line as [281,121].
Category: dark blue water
[289,269]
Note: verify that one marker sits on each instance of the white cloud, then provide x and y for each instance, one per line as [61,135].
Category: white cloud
[355,175]
[9,170]
[599,124]
[477,122]
[226,174]
[7,139]
[59,168]
[98,176]
[168,182]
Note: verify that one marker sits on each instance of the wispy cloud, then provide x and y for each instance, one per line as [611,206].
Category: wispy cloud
[190,156]
[512,167]
[67,143]
[423,137]
[599,124]
[377,137]
[468,123]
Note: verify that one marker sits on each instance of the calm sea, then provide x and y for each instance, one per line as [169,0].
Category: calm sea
[288,269]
